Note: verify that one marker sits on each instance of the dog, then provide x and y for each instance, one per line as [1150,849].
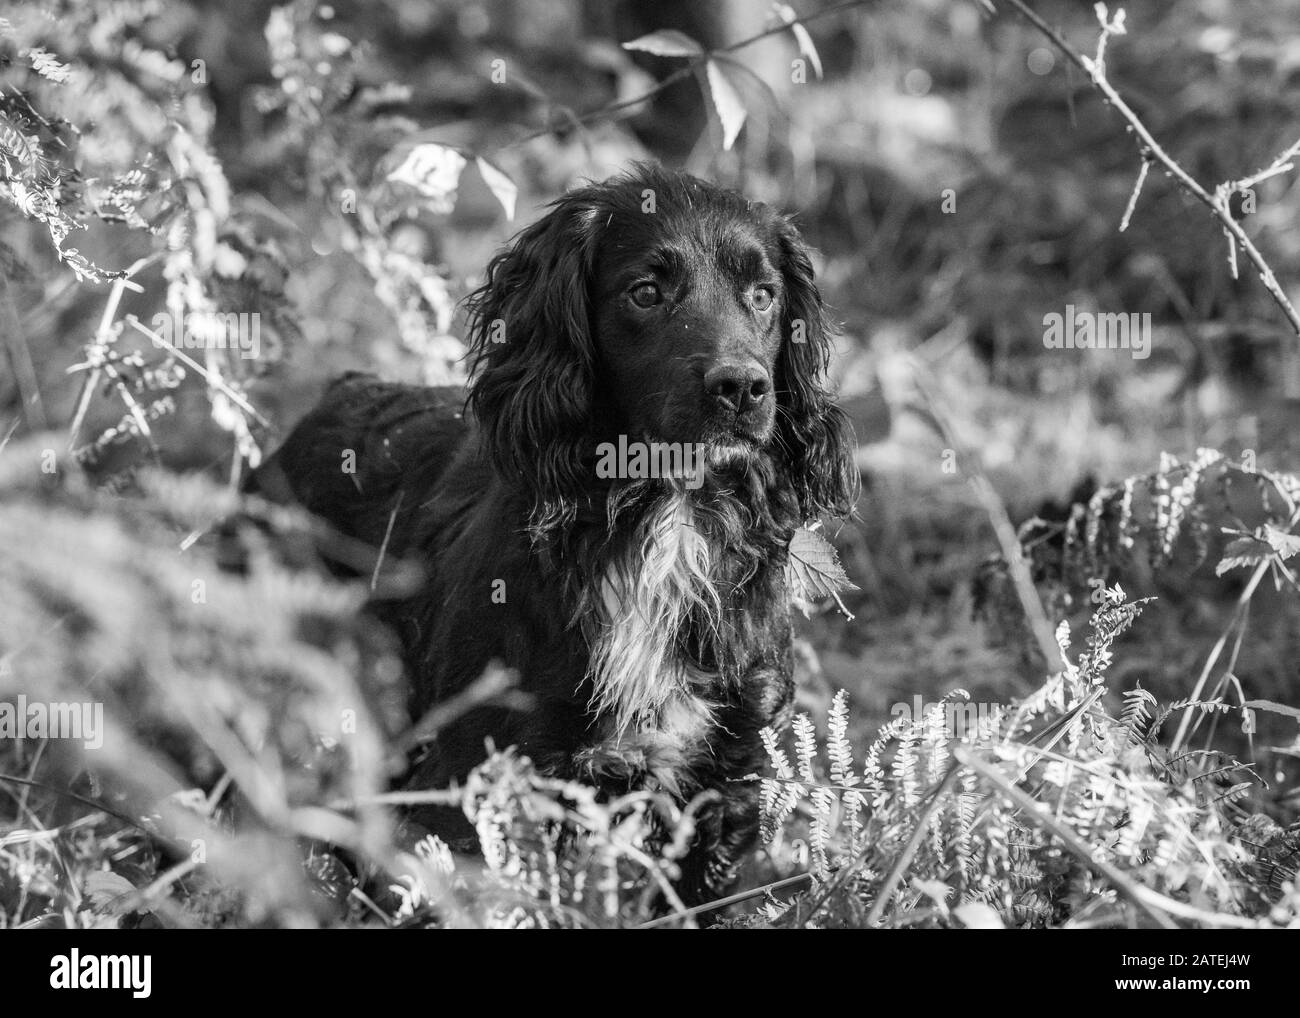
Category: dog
[606,509]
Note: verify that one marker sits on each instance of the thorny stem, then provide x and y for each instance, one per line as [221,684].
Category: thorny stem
[1151,150]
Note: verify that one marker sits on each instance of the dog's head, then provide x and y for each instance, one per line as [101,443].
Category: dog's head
[659,307]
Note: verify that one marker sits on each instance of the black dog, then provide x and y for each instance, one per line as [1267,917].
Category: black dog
[610,513]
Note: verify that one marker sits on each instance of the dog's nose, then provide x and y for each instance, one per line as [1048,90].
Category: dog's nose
[741,387]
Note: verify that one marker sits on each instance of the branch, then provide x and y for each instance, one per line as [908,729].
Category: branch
[686,71]
[1218,202]
[103,339]
[731,899]
[214,380]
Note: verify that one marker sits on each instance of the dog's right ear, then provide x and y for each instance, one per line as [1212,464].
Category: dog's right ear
[532,357]
[814,432]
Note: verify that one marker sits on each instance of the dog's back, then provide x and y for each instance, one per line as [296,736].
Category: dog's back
[352,460]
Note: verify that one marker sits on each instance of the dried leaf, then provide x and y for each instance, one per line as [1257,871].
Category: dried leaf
[727,101]
[1250,550]
[785,15]
[667,42]
[104,892]
[1273,708]
[434,171]
[505,189]
[1283,543]
[975,915]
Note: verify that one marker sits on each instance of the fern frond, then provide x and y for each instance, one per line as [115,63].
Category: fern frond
[837,740]
[1136,712]
[805,743]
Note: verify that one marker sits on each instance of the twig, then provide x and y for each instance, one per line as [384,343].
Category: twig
[686,71]
[1216,203]
[211,379]
[144,897]
[1137,191]
[10,433]
[20,356]
[651,866]
[426,797]
[1242,601]
[103,339]
[913,843]
[383,546]
[1001,523]
[1282,164]
[731,899]
[92,803]
[490,685]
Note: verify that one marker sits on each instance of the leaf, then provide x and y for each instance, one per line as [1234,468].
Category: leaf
[727,101]
[434,171]
[1283,543]
[813,571]
[1244,551]
[1273,708]
[47,65]
[505,189]
[1250,550]
[975,915]
[936,890]
[807,48]
[667,42]
[25,150]
[104,892]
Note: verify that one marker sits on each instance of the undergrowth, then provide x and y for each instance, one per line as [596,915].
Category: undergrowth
[243,770]
[1049,811]
[249,718]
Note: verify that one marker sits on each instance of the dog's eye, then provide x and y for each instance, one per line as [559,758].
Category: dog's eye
[646,295]
[761,298]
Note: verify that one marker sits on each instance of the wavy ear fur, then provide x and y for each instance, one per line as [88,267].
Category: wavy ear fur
[533,368]
[532,357]
[815,433]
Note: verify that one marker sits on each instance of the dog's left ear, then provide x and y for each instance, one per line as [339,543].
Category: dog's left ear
[815,433]
[532,357]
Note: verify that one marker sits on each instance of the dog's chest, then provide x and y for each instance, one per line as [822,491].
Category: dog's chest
[656,704]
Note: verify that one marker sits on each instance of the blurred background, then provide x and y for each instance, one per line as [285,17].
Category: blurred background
[958,177]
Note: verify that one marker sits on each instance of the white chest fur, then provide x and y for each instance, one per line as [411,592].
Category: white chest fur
[648,694]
